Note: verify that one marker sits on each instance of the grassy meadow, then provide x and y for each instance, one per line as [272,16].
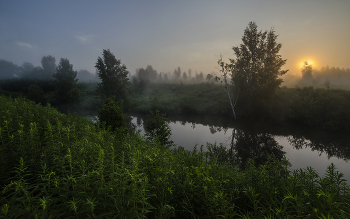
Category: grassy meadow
[54,165]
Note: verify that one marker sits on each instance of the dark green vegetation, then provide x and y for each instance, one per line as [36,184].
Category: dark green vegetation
[113,75]
[320,108]
[314,107]
[157,128]
[202,98]
[65,166]
[66,83]
[112,116]
[255,69]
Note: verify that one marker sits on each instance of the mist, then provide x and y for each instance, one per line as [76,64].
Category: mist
[324,77]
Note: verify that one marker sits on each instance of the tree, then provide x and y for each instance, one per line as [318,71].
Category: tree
[112,116]
[199,76]
[177,73]
[66,83]
[8,69]
[36,94]
[257,66]
[27,67]
[209,77]
[184,75]
[146,76]
[85,75]
[160,76]
[36,73]
[166,77]
[49,65]
[157,127]
[190,73]
[306,73]
[113,75]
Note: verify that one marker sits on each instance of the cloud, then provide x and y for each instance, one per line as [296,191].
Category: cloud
[84,37]
[22,44]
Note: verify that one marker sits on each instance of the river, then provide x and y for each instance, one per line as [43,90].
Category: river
[302,146]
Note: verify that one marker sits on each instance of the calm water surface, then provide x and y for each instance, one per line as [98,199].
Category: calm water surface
[301,145]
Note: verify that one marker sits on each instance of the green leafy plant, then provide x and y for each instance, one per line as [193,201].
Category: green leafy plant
[157,128]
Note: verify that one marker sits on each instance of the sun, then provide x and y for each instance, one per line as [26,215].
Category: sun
[309,62]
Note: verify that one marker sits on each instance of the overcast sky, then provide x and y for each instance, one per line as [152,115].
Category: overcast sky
[167,34]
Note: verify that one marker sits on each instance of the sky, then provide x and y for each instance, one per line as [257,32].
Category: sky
[167,34]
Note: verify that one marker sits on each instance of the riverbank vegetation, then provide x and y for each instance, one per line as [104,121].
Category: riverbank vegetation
[65,166]
[321,108]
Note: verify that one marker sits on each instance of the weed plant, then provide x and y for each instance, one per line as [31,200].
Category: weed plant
[65,166]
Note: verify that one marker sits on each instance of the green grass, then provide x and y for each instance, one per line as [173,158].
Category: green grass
[64,166]
[204,98]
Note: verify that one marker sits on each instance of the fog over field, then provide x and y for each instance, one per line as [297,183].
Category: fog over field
[167,35]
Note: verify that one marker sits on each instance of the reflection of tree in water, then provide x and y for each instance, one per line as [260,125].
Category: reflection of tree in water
[214,129]
[333,147]
[139,121]
[248,145]
[131,126]
[193,125]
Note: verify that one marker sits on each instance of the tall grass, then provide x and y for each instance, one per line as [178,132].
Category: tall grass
[65,166]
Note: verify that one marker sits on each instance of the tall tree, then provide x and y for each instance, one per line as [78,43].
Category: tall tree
[177,73]
[184,75]
[49,65]
[257,66]
[147,75]
[113,75]
[200,76]
[306,72]
[66,83]
[190,73]
[8,69]
[27,67]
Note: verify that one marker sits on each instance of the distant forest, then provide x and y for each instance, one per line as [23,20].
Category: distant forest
[325,76]
[143,76]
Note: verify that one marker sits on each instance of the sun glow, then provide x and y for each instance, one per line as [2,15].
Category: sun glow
[301,62]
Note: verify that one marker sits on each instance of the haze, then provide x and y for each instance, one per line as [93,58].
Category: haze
[167,34]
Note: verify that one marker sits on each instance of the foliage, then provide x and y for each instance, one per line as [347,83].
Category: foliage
[113,75]
[306,71]
[257,66]
[85,75]
[146,76]
[36,94]
[177,73]
[184,76]
[199,77]
[172,99]
[58,166]
[27,67]
[157,128]
[66,83]
[8,69]
[111,115]
[49,67]
[318,107]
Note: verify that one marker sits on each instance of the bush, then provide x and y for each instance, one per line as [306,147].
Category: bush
[112,116]
[157,128]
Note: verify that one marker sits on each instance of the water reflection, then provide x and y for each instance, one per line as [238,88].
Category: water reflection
[332,147]
[302,146]
[249,145]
